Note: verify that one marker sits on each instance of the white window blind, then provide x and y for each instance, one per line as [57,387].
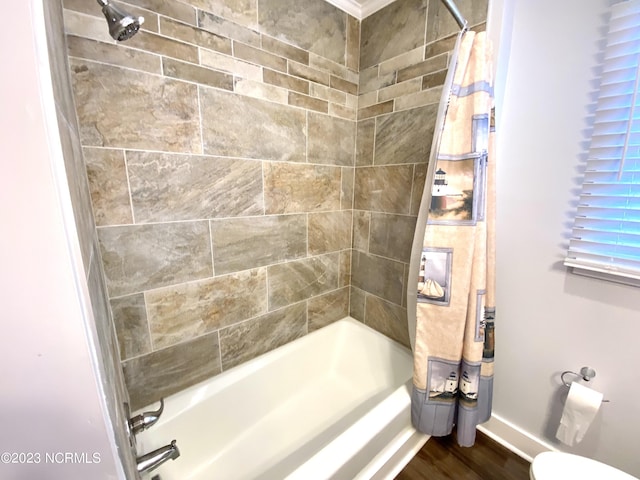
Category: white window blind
[605,240]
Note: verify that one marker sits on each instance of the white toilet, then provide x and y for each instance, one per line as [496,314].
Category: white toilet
[563,466]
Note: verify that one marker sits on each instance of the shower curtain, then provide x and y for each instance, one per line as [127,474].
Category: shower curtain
[454,337]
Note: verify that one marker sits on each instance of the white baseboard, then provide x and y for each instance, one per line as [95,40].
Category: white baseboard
[514,438]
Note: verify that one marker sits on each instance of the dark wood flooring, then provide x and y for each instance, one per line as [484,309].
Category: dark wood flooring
[442,459]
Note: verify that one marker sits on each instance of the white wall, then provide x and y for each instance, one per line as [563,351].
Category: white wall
[550,320]
[49,396]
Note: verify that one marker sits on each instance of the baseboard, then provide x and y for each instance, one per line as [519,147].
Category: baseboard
[514,438]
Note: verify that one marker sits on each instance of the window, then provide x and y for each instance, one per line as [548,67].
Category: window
[605,240]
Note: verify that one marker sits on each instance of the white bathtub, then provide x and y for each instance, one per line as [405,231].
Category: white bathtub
[333,404]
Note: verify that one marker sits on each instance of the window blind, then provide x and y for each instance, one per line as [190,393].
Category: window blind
[605,240]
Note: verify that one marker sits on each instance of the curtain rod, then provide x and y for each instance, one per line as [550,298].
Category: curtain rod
[453,8]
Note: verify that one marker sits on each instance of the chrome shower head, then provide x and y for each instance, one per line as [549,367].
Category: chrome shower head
[122,25]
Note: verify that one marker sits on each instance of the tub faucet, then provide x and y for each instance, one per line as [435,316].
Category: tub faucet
[145,420]
[153,460]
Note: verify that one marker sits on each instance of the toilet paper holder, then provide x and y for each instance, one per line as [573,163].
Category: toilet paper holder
[586,373]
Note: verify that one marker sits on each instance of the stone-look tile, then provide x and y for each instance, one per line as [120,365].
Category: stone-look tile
[86,27]
[353,43]
[405,137]
[357,299]
[365,136]
[197,74]
[285,50]
[261,90]
[308,103]
[391,236]
[299,280]
[225,28]
[245,243]
[375,110]
[318,27]
[379,276]
[326,309]
[329,231]
[285,81]
[192,309]
[361,226]
[371,81]
[331,140]
[309,73]
[151,42]
[425,97]
[395,29]
[388,319]
[197,36]
[346,195]
[108,184]
[134,109]
[327,93]
[167,371]
[229,64]
[273,132]
[141,257]
[259,57]
[132,329]
[430,65]
[435,79]
[441,22]
[240,343]
[383,189]
[400,89]
[444,45]
[113,54]
[400,62]
[170,187]
[343,85]
[168,8]
[244,12]
[419,179]
[345,269]
[342,112]
[292,188]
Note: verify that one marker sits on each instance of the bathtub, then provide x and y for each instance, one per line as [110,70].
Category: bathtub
[334,404]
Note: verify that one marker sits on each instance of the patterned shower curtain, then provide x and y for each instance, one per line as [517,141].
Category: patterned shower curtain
[453,354]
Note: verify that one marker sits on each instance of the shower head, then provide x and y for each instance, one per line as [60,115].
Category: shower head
[122,26]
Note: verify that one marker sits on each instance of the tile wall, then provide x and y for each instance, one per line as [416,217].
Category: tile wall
[220,151]
[404,56]
[255,170]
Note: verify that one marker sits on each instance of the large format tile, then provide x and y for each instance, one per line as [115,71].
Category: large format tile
[405,137]
[387,318]
[167,187]
[291,188]
[301,279]
[391,236]
[242,342]
[238,126]
[195,308]
[244,12]
[134,109]
[313,25]
[329,231]
[245,243]
[384,189]
[141,257]
[327,308]
[331,140]
[167,371]
[377,275]
[393,30]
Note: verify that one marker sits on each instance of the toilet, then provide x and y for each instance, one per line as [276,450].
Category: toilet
[563,466]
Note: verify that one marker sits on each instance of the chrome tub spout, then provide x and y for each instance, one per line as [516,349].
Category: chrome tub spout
[153,460]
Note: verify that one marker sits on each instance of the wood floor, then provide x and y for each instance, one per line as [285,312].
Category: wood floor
[442,459]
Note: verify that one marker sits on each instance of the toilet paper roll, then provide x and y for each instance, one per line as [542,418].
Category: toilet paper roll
[579,411]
